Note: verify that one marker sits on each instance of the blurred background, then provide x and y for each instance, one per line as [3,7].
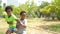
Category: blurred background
[33,8]
[42,12]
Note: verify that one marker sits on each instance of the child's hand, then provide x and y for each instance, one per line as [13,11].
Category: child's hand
[24,26]
[10,22]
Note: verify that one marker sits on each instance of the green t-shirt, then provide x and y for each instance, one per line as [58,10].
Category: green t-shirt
[11,19]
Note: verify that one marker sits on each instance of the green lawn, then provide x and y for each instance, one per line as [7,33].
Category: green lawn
[55,28]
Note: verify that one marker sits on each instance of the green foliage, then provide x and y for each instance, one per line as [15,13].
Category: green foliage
[45,9]
[52,8]
[16,10]
[30,9]
[0,9]
[56,3]
[43,4]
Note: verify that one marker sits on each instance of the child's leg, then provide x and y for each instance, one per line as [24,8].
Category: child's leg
[8,32]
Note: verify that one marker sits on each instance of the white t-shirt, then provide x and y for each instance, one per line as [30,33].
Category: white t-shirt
[22,29]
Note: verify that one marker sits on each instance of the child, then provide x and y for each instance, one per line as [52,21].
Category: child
[10,19]
[22,29]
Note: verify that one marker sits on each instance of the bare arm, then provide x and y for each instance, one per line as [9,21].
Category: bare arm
[9,22]
[20,23]
[23,25]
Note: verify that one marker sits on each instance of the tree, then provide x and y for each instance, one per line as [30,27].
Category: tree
[0,8]
[43,4]
[30,8]
[16,10]
[44,8]
[56,3]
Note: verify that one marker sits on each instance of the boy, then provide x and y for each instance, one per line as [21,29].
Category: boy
[10,19]
[22,29]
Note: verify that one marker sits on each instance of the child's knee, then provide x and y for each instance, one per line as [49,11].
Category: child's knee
[8,32]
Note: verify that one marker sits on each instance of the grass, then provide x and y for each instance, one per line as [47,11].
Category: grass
[55,28]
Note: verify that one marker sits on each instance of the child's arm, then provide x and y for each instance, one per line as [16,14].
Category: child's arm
[24,25]
[21,24]
[9,22]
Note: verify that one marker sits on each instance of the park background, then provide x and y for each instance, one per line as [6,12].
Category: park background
[43,17]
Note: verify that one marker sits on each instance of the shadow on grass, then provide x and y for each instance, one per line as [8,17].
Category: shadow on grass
[1,33]
[54,28]
[49,19]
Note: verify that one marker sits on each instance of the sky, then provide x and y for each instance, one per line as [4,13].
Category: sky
[38,2]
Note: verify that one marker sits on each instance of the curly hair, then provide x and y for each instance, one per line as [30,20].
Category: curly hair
[22,12]
[8,7]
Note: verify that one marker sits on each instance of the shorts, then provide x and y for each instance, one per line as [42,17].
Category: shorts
[12,30]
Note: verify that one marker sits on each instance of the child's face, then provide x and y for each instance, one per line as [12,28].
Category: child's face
[23,15]
[8,12]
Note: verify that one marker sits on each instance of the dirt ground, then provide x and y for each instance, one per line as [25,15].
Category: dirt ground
[32,26]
